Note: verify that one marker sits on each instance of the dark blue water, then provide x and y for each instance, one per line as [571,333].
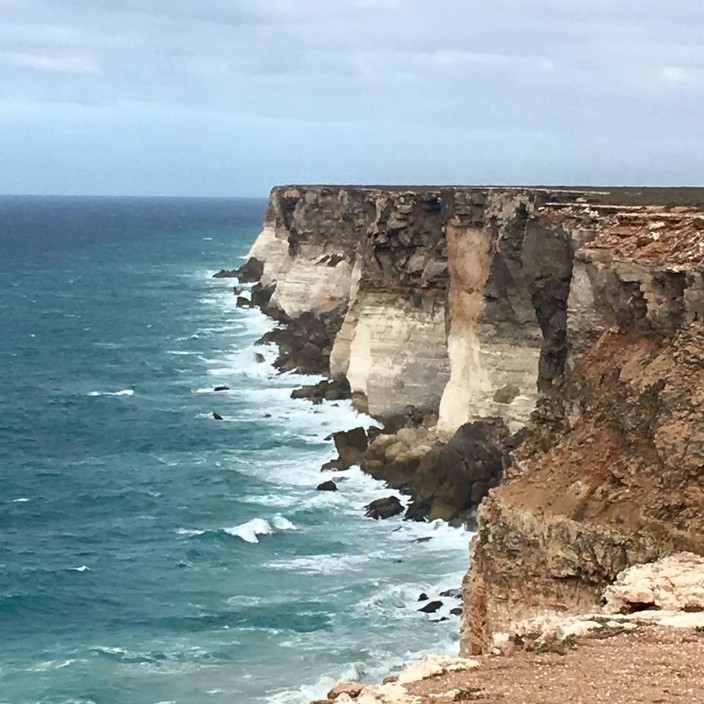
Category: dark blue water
[149,553]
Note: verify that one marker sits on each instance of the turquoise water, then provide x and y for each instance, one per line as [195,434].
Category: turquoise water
[147,552]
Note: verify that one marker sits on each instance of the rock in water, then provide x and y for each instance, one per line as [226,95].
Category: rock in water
[250,271]
[243,302]
[452,593]
[384,508]
[350,445]
[431,607]
[225,274]
[325,390]
[217,416]
[221,388]
[326,486]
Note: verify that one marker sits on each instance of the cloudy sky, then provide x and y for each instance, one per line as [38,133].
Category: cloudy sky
[230,97]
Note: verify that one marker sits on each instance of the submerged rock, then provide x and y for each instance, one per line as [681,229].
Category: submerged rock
[221,388]
[217,416]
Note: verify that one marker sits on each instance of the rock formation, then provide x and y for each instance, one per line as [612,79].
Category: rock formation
[553,336]
[610,474]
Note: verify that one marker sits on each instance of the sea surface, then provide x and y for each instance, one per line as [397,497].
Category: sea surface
[149,553]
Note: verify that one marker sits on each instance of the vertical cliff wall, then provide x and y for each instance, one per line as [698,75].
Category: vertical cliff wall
[575,315]
[459,285]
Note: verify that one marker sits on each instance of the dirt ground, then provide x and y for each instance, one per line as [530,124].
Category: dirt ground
[648,665]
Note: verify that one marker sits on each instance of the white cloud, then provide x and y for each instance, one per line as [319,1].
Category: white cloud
[45,62]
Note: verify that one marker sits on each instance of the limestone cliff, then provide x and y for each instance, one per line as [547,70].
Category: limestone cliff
[454,298]
[571,316]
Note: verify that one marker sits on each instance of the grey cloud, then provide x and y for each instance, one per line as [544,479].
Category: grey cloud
[562,73]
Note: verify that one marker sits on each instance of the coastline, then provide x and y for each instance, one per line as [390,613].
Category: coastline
[473,322]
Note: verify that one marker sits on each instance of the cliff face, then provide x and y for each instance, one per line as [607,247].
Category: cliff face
[611,472]
[575,316]
[455,297]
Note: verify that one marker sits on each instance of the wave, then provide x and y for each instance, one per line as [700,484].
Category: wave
[320,564]
[82,568]
[249,531]
[122,392]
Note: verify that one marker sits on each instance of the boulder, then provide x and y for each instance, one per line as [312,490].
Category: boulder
[243,302]
[259,358]
[422,597]
[326,486]
[351,689]
[384,508]
[674,583]
[431,607]
[261,295]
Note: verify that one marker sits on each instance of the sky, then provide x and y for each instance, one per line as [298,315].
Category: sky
[231,97]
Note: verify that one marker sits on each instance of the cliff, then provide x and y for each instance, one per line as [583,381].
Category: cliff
[611,472]
[547,339]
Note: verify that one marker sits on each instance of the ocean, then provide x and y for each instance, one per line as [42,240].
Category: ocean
[149,553]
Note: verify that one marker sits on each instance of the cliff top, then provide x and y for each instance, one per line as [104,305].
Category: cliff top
[615,195]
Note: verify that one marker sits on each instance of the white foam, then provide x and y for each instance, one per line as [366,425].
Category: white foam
[122,392]
[53,665]
[246,531]
[281,523]
[319,564]
[250,530]
[21,500]
[82,568]
[189,532]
